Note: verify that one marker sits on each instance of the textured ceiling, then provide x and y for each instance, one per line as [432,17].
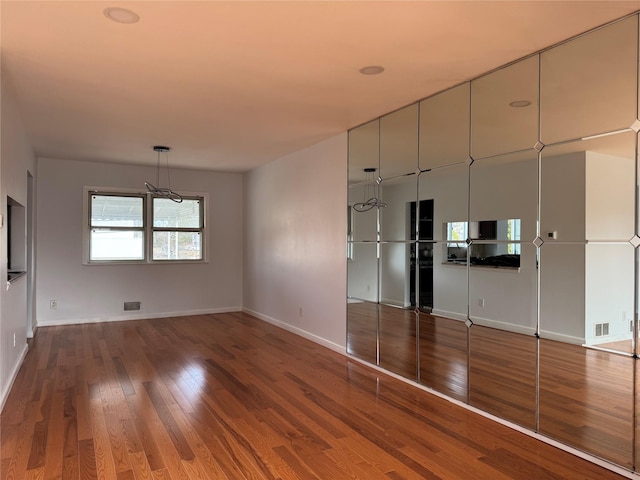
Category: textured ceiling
[233,85]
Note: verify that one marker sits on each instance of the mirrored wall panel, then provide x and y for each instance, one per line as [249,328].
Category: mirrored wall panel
[587,294]
[503,286]
[396,270]
[586,400]
[398,341]
[444,128]
[362,271]
[587,189]
[502,374]
[399,216]
[443,347]
[364,152]
[493,243]
[504,110]
[362,216]
[362,330]
[588,85]
[444,194]
[399,142]
[503,193]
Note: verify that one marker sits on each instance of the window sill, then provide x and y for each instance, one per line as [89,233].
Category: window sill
[138,262]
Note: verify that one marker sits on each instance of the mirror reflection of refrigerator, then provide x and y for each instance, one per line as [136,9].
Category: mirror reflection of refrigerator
[421,256]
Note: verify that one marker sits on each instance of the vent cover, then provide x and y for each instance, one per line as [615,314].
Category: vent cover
[129,306]
[602,329]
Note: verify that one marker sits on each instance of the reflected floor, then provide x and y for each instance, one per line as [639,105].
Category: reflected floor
[398,341]
[586,399]
[443,355]
[624,346]
[362,330]
[502,374]
[585,395]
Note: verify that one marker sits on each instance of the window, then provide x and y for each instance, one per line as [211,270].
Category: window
[117,227]
[177,229]
[138,227]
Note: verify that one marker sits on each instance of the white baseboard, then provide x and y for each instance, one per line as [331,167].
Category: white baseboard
[136,316]
[298,331]
[12,376]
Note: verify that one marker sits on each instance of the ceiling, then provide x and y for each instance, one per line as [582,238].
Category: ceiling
[233,85]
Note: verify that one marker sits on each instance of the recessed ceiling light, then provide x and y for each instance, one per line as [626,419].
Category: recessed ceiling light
[371,70]
[121,15]
[520,103]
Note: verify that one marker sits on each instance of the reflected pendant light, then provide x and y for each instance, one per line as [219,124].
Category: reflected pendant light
[164,192]
[369,192]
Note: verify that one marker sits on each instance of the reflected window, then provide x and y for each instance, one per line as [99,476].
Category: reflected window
[349,233]
[501,230]
[456,233]
[490,251]
[513,233]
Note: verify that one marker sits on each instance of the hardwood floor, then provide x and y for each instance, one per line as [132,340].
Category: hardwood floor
[231,397]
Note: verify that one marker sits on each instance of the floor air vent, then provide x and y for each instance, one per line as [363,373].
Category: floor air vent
[129,306]
[602,329]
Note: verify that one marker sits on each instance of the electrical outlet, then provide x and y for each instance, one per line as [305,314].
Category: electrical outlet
[53,304]
[481,302]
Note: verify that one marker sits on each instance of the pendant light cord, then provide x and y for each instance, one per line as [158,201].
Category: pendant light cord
[164,192]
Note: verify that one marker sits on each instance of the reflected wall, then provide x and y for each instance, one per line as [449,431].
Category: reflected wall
[493,242]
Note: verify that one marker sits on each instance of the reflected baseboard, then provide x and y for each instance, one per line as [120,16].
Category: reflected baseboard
[395,303]
[559,337]
[447,314]
[509,327]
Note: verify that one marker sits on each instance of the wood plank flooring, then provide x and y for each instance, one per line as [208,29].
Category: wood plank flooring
[231,397]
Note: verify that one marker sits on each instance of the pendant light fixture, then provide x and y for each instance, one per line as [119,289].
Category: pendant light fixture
[165,192]
[369,199]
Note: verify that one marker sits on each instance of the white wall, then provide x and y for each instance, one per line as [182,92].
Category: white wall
[17,157]
[295,242]
[97,292]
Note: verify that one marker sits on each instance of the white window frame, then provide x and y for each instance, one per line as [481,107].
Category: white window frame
[148,228]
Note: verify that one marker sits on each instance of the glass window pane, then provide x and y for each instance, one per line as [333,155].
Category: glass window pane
[177,246]
[116,245]
[169,214]
[116,211]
